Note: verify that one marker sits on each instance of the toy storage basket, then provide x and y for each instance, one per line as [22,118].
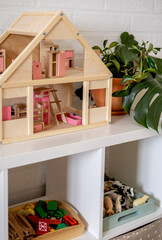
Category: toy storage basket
[130,214]
[150,231]
[60,234]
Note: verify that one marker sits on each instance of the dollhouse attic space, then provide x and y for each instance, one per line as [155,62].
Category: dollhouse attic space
[37,79]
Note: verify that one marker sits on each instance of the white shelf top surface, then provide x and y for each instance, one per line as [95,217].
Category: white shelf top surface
[123,129]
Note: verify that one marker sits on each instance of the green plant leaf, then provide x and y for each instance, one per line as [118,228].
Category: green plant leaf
[127,78]
[126,55]
[154,113]
[150,70]
[128,39]
[150,48]
[109,64]
[117,65]
[97,47]
[150,62]
[113,44]
[144,109]
[158,63]
[105,43]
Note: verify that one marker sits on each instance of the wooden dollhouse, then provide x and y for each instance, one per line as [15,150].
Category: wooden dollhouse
[37,77]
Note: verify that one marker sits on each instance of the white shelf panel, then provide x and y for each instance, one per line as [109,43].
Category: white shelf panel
[123,129]
[132,225]
[86,236]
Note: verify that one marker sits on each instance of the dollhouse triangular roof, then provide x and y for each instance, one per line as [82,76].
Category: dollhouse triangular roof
[46,25]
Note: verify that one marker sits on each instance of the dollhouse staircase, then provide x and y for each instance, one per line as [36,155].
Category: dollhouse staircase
[58,104]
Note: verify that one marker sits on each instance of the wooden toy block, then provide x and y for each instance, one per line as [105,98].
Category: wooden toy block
[33,50]
[52,205]
[36,70]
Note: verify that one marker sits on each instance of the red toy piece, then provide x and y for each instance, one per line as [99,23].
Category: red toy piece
[54,221]
[33,220]
[42,226]
[70,221]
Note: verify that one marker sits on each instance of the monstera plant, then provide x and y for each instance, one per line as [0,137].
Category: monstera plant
[145,73]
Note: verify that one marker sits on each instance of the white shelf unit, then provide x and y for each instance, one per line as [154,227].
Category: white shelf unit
[75,170]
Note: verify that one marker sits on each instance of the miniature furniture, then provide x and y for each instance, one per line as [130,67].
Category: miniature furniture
[56,62]
[2,60]
[69,58]
[36,70]
[42,98]
[20,111]
[79,158]
[6,113]
[60,112]
[33,50]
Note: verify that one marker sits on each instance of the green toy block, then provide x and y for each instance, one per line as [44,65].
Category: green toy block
[40,211]
[52,205]
[50,213]
[42,204]
[62,211]
[60,226]
[58,214]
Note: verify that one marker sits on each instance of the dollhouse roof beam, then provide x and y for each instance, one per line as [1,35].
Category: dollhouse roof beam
[25,53]
[22,33]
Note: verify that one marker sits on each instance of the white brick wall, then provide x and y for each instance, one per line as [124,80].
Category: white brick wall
[96,20]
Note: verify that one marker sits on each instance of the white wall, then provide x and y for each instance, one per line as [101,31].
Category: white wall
[96,20]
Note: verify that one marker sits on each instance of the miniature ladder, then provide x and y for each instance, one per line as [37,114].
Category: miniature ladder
[38,113]
[57,102]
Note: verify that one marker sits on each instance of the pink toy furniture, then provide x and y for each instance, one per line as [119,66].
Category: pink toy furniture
[37,70]
[61,58]
[6,113]
[42,97]
[69,54]
[71,119]
[38,127]
[2,60]
[69,59]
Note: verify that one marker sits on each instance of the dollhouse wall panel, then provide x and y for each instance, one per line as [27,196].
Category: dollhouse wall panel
[15,92]
[15,128]
[24,72]
[97,114]
[19,42]
[32,24]
[98,84]
[64,93]
[60,31]
[91,67]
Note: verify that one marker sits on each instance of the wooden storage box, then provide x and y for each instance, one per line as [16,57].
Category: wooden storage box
[60,234]
[130,214]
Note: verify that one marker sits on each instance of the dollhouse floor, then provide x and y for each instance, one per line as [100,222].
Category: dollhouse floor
[63,125]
